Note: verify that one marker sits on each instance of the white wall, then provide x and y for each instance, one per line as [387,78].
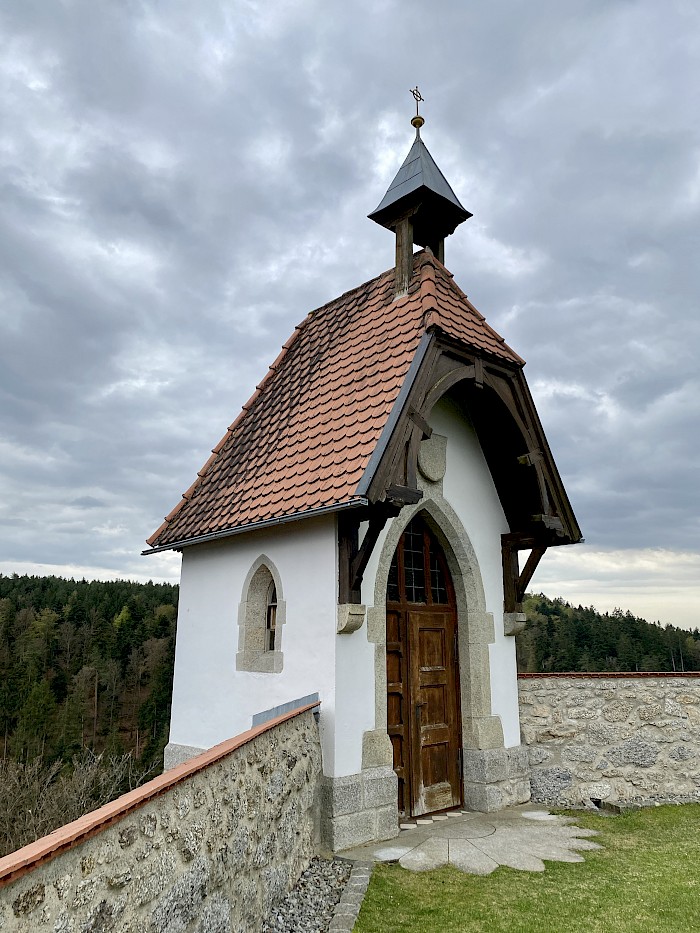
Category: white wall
[470,490]
[212,701]
[354,710]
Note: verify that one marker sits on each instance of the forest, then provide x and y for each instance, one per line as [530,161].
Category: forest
[559,637]
[85,665]
[85,683]
[88,665]
[86,678]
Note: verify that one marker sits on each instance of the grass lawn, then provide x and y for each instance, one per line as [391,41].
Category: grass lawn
[647,878]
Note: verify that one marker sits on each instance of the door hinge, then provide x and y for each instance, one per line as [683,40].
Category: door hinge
[460,761]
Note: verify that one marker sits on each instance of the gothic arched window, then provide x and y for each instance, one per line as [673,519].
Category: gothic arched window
[260,617]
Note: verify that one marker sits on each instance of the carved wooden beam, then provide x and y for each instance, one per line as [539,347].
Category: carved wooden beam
[478,372]
[395,479]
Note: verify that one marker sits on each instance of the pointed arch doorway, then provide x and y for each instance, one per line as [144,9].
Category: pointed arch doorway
[423,708]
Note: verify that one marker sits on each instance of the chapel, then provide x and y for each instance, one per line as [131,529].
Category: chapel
[357,532]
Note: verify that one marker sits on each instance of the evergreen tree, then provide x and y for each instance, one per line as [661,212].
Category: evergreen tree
[85,665]
[559,638]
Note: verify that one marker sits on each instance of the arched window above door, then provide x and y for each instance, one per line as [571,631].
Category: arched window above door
[418,569]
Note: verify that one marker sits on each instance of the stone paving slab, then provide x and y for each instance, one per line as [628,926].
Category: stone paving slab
[522,837]
[465,856]
[427,855]
[506,850]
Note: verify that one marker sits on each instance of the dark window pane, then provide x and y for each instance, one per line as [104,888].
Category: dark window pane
[438,584]
[392,588]
[271,617]
[414,566]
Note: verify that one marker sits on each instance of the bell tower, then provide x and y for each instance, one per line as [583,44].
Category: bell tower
[419,206]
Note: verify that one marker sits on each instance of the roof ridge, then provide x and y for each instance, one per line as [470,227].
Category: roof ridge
[339,298]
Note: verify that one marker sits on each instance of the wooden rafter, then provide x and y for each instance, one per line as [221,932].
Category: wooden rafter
[394,482]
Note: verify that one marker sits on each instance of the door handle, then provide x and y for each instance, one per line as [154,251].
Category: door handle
[417,711]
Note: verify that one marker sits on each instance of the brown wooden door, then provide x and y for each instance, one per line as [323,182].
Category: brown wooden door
[422,675]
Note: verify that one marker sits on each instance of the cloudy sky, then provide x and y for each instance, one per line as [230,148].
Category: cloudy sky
[183,181]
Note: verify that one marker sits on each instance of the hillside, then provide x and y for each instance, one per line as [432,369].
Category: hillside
[85,665]
[561,637]
[88,665]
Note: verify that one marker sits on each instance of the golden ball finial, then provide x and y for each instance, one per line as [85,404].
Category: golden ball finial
[418,120]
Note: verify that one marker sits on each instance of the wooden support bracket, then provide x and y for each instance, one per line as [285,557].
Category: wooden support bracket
[515,583]
[403,495]
[348,534]
[353,557]
[536,555]
[531,458]
[404,252]
[552,522]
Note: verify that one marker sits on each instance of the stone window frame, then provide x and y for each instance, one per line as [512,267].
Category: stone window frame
[253,652]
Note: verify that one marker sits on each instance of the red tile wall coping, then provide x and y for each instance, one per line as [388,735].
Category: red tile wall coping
[612,675]
[19,863]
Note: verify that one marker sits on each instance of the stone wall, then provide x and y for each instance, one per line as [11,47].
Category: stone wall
[611,736]
[206,847]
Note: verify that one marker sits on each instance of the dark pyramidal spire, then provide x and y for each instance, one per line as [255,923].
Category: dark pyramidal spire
[419,206]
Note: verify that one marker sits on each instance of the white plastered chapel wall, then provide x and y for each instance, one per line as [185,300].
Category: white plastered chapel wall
[470,490]
[213,701]
[354,713]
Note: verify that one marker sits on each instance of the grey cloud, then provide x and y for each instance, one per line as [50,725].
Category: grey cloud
[182,185]
[88,502]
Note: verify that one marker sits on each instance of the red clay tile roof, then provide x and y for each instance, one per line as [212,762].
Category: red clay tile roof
[304,438]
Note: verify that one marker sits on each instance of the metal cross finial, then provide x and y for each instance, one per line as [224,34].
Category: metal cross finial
[418,120]
[417,96]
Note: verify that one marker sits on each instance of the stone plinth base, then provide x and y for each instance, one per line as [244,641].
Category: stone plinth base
[496,778]
[358,808]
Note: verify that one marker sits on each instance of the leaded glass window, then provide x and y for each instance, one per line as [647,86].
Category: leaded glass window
[392,587]
[438,584]
[418,573]
[414,563]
